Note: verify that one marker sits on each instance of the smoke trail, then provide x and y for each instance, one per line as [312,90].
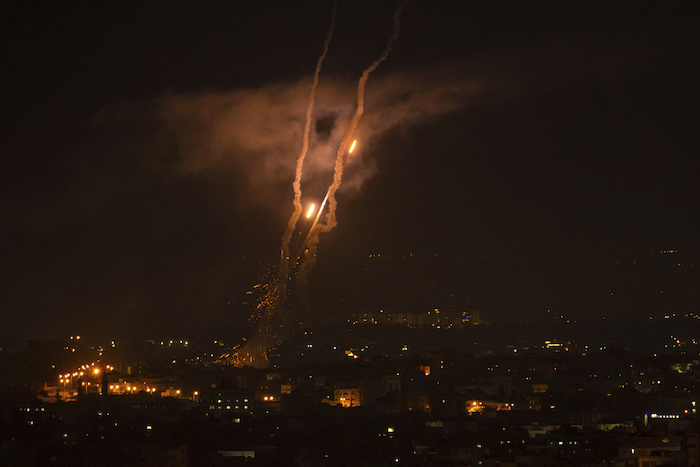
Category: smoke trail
[291,224]
[273,325]
[313,237]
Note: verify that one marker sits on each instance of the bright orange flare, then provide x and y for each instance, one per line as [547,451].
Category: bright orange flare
[352,147]
[311,210]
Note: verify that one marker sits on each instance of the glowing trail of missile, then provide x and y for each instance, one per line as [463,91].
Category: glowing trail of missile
[275,323]
[310,212]
[291,224]
[320,210]
[325,200]
[271,326]
[303,245]
[331,222]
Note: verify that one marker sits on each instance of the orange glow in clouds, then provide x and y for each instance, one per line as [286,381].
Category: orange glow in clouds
[311,210]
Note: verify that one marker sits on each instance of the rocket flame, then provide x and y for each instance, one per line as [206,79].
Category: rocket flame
[310,212]
[352,147]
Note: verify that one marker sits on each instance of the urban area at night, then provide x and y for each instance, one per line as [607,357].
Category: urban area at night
[350,233]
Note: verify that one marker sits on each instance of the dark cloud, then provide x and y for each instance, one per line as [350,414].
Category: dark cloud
[324,126]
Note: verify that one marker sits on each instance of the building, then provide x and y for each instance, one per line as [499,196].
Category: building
[347,397]
[651,451]
[227,403]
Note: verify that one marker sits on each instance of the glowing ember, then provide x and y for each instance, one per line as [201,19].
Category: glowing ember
[352,147]
[310,212]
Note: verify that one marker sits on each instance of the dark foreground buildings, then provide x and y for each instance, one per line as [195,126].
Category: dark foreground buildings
[557,403]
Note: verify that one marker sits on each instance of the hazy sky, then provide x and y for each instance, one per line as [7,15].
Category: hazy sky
[149,150]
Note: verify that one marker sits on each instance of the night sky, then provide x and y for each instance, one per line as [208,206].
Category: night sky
[513,157]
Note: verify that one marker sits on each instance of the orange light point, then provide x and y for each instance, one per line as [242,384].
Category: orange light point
[311,210]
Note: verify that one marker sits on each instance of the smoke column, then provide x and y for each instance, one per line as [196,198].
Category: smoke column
[273,299]
[291,224]
[271,328]
[313,237]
